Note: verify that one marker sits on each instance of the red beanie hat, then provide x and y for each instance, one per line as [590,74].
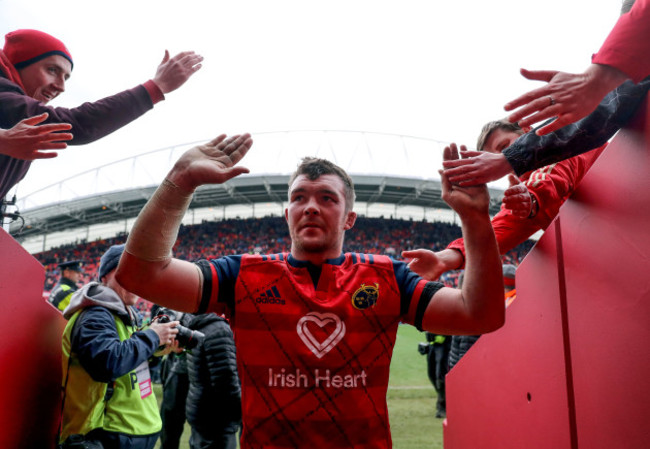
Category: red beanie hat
[25,47]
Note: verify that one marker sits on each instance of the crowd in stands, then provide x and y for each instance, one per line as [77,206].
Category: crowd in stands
[270,235]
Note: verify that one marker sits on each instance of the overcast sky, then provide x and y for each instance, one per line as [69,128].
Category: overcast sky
[433,69]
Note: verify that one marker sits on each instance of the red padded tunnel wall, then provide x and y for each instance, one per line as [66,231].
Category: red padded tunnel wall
[30,352]
[570,368]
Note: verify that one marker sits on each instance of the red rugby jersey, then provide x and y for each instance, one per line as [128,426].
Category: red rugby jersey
[314,359]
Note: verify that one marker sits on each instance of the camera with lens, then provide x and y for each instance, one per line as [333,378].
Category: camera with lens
[423,348]
[187,338]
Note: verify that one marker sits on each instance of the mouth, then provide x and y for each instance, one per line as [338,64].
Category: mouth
[48,96]
[310,226]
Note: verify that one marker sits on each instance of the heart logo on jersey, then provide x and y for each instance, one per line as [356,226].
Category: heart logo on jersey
[320,348]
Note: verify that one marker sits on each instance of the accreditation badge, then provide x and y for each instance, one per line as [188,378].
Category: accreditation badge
[143,379]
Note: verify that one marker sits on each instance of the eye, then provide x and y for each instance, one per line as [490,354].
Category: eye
[502,146]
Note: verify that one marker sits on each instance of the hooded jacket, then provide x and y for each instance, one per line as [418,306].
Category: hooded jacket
[102,347]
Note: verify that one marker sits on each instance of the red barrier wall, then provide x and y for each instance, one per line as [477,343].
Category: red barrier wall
[570,367]
[30,353]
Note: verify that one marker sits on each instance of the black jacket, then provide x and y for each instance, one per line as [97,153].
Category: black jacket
[531,151]
[460,344]
[214,399]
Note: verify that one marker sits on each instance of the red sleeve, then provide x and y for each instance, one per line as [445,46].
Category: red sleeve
[210,290]
[627,47]
[553,184]
[509,230]
[458,245]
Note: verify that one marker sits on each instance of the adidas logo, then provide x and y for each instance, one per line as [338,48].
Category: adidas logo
[271,296]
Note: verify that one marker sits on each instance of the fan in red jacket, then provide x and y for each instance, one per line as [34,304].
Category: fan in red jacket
[530,203]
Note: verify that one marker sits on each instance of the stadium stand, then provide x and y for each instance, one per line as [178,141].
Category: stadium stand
[270,235]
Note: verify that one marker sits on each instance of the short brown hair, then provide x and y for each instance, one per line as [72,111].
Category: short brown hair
[490,127]
[313,168]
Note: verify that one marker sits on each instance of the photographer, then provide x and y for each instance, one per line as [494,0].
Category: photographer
[108,398]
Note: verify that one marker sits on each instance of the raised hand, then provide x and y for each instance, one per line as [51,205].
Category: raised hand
[463,199]
[173,72]
[27,140]
[517,199]
[566,96]
[212,163]
[476,167]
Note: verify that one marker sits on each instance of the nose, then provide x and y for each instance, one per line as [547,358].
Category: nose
[311,207]
[59,84]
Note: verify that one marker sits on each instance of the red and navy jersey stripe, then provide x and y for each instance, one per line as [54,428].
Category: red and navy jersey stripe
[226,271]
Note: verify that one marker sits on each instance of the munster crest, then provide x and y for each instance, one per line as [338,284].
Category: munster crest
[365,296]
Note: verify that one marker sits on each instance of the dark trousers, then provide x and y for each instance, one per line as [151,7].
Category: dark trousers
[110,440]
[437,370]
[172,409]
[200,440]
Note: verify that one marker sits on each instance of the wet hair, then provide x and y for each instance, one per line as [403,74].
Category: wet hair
[490,127]
[313,168]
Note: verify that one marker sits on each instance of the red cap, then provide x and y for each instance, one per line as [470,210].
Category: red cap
[25,47]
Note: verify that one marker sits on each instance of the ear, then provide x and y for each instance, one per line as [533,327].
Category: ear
[286,215]
[350,220]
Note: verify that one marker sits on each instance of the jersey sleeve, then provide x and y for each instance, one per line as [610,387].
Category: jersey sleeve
[509,230]
[552,185]
[627,45]
[415,294]
[219,278]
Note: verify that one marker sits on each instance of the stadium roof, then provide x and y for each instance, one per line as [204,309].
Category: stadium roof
[386,169]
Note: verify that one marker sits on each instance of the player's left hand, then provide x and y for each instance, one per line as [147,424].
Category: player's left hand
[464,199]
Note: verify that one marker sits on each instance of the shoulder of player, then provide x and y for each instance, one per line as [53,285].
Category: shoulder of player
[377,260]
[253,259]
